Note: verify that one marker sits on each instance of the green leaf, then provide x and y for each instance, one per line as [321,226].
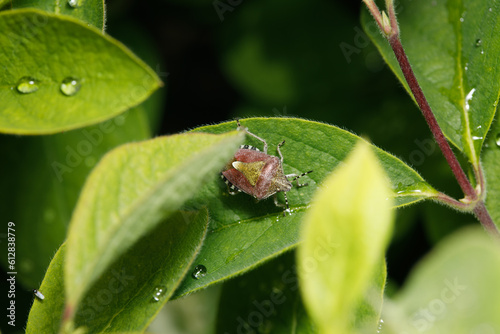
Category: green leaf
[345,235]
[453,290]
[90,11]
[45,315]
[132,189]
[453,47]
[134,288]
[245,233]
[46,174]
[111,78]
[266,300]
[490,158]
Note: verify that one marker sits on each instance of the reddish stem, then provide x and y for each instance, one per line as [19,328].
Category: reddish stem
[471,196]
[484,217]
[450,157]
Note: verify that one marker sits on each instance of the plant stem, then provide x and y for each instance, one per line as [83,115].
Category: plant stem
[450,157]
[474,200]
[458,205]
[484,217]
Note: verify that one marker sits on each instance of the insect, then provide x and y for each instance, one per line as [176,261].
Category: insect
[259,174]
[38,294]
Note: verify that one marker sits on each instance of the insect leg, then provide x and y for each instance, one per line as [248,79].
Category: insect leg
[251,134]
[231,189]
[284,206]
[297,176]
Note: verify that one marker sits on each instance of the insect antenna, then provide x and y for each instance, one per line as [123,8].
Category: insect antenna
[251,134]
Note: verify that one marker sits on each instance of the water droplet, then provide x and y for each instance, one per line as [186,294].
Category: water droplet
[461,19]
[478,42]
[74,3]
[158,293]
[490,9]
[27,85]
[199,271]
[466,66]
[70,86]
[380,324]
[497,141]
[482,52]
[477,138]
[468,98]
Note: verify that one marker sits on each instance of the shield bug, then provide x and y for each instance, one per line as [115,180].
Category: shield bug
[259,174]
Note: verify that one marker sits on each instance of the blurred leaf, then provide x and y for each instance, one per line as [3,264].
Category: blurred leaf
[453,290]
[265,300]
[43,47]
[453,47]
[345,235]
[131,190]
[193,314]
[89,11]
[151,269]
[245,233]
[4,3]
[46,174]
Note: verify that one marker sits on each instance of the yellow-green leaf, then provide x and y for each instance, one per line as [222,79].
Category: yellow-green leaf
[60,74]
[344,236]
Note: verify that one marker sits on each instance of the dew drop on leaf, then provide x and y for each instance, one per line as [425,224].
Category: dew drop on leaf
[70,86]
[199,271]
[478,42]
[158,293]
[74,3]
[27,85]
[380,324]
[497,140]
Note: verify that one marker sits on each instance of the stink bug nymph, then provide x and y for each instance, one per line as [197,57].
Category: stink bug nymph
[259,174]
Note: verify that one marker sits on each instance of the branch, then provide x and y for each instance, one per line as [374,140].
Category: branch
[474,199]
[450,157]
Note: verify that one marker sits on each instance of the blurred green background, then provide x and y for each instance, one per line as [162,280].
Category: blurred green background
[311,59]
